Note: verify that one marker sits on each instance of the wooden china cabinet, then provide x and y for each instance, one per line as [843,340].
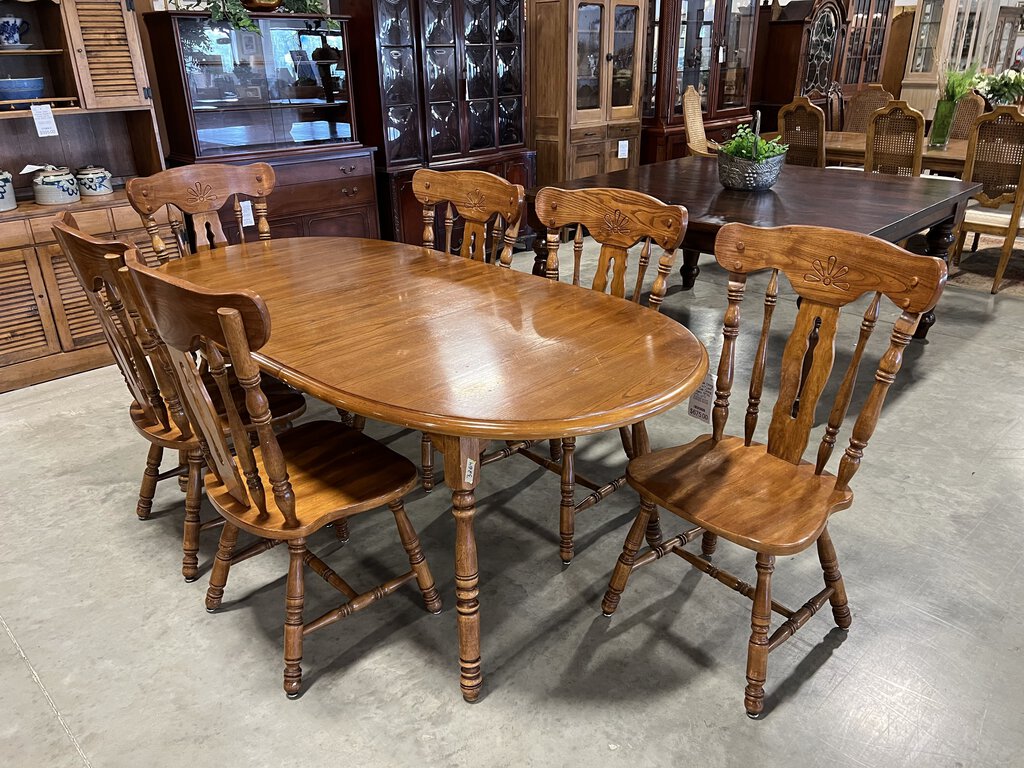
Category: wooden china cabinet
[708,44]
[282,96]
[440,84]
[88,54]
[585,85]
[931,41]
[798,51]
[867,38]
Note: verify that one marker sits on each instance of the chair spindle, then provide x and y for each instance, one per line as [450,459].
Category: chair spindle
[771,296]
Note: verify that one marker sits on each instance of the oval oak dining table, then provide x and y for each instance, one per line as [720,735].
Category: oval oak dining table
[464,351]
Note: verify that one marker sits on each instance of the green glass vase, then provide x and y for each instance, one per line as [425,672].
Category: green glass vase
[941,123]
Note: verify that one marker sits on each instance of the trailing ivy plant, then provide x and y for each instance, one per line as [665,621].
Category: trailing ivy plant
[748,145]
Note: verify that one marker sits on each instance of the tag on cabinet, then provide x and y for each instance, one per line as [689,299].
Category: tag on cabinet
[721,54]
[623,149]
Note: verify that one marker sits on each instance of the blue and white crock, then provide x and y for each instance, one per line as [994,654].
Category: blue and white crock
[93,181]
[7,201]
[55,186]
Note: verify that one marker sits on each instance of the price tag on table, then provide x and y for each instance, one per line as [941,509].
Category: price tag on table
[702,400]
[42,115]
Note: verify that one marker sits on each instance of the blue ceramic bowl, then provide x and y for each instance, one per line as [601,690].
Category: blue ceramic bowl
[14,88]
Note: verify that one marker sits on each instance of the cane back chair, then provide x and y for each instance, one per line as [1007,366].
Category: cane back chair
[490,209]
[968,109]
[862,105]
[802,127]
[766,497]
[317,473]
[198,192]
[895,140]
[995,159]
[693,119]
[618,220]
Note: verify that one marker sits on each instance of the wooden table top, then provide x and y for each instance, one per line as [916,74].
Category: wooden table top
[848,147]
[446,345]
[888,207]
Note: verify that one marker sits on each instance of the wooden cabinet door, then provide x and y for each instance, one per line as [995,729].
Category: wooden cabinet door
[586,159]
[27,329]
[77,324]
[626,29]
[614,162]
[104,40]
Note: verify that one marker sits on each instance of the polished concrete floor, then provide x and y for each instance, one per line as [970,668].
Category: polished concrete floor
[109,659]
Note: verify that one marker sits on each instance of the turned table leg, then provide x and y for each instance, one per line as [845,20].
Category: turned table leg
[461,473]
[939,239]
[689,270]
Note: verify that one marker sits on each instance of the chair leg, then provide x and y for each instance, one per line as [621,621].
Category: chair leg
[1004,259]
[149,476]
[221,567]
[193,499]
[977,239]
[346,417]
[293,600]
[708,545]
[567,508]
[555,450]
[183,478]
[653,532]
[411,543]
[624,565]
[757,649]
[834,579]
[958,249]
[427,462]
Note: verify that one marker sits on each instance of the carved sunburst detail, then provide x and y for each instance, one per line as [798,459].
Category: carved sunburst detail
[200,193]
[828,274]
[475,200]
[615,223]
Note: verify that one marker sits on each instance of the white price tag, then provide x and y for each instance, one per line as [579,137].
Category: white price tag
[247,218]
[702,400]
[721,54]
[42,114]
[623,149]
[470,470]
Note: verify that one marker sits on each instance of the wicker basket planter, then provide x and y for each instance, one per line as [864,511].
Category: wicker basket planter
[740,173]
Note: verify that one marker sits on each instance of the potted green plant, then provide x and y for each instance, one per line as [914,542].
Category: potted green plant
[956,85]
[235,13]
[748,162]
[1006,87]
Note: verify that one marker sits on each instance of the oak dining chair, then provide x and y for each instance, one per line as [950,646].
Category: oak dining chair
[968,109]
[895,140]
[697,141]
[766,497]
[618,220]
[862,105]
[196,194]
[287,486]
[802,127]
[488,209]
[156,411]
[995,159]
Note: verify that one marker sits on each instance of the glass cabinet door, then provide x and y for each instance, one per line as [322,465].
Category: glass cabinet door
[651,64]
[869,22]
[735,54]
[442,94]
[398,81]
[877,29]
[624,50]
[927,38]
[821,51]
[283,87]
[508,57]
[589,57]
[696,48]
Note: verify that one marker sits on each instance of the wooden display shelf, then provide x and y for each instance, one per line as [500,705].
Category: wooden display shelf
[28,209]
[37,52]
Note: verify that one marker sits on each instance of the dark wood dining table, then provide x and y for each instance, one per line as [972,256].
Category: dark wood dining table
[464,351]
[850,147]
[889,207]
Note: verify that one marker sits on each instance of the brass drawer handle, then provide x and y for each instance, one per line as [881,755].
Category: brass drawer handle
[348,170]
[353,193]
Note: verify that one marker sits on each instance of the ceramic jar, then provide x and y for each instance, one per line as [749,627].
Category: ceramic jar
[55,186]
[93,181]
[7,201]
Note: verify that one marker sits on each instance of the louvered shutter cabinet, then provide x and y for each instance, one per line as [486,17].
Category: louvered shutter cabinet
[27,329]
[77,325]
[104,41]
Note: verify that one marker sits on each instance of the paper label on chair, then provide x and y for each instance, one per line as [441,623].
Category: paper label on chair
[702,400]
[42,116]
[470,470]
[623,149]
[248,220]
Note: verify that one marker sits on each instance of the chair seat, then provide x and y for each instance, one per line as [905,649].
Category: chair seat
[991,217]
[166,437]
[334,471]
[743,494]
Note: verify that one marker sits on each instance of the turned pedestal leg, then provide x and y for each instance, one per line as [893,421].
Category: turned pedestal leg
[689,270]
[939,239]
[461,473]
